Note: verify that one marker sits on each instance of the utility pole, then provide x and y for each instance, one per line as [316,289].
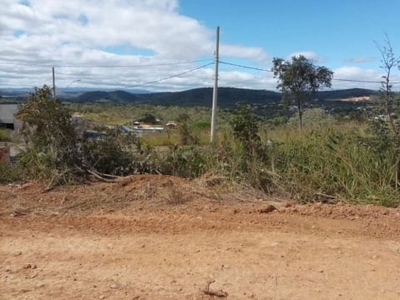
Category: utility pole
[215,91]
[54,83]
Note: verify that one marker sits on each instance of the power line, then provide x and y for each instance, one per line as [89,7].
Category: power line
[355,80]
[337,79]
[244,67]
[364,81]
[172,76]
[162,79]
[176,75]
[103,66]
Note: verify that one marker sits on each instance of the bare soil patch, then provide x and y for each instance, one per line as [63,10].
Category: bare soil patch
[161,237]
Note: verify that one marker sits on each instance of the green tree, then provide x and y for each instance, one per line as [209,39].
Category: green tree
[50,137]
[299,79]
[46,123]
[148,118]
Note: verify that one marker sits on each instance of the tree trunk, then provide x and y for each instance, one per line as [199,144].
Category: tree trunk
[300,111]
[397,167]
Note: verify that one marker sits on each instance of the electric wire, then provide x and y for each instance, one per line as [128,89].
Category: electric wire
[337,79]
[172,76]
[179,74]
[244,67]
[103,66]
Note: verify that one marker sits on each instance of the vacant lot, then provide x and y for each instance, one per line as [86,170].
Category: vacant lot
[158,237]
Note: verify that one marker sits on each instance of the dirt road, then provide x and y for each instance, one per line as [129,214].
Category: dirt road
[165,238]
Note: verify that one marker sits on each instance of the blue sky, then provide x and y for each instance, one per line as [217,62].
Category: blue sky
[338,31]
[168,45]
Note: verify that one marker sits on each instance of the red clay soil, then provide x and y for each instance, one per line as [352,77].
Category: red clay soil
[160,237]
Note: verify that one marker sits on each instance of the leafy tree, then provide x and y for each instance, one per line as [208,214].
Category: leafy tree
[46,124]
[148,119]
[50,136]
[299,79]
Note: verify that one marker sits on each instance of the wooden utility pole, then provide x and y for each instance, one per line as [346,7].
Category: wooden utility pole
[215,91]
[54,83]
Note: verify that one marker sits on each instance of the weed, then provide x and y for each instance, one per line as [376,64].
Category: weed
[176,196]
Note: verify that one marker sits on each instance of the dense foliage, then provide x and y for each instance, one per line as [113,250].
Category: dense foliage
[55,152]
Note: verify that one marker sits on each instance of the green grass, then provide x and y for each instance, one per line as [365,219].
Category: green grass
[5,135]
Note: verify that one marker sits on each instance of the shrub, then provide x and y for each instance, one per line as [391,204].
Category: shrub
[9,173]
[183,161]
[117,154]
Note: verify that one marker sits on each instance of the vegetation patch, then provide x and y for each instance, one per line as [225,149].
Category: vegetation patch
[314,155]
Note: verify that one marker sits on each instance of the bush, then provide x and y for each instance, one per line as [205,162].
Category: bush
[117,154]
[55,155]
[183,161]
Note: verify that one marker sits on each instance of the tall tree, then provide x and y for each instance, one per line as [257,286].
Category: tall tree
[299,79]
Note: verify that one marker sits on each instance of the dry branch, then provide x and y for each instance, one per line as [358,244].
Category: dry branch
[219,293]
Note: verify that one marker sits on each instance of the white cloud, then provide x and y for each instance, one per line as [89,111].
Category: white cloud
[254,53]
[352,77]
[67,34]
[361,59]
[240,79]
[307,54]
[351,72]
[88,40]
[39,34]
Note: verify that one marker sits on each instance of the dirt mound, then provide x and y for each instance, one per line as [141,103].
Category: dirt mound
[147,191]
[342,211]
[165,193]
[98,197]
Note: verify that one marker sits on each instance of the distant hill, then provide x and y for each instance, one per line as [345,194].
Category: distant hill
[345,94]
[114,96]
[227,96]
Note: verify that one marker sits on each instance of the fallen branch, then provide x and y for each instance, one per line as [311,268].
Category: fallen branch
[219,293]
[96,175]
[104,175]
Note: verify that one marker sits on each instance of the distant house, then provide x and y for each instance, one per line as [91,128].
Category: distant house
[171,124]
[139,130]
[77,119]
[7,116]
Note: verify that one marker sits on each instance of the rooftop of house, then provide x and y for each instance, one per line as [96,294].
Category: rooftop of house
[7,112]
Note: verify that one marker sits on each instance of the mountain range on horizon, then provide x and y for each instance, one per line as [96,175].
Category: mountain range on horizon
[227,96]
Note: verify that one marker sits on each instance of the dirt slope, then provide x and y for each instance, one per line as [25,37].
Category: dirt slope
[159,237]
